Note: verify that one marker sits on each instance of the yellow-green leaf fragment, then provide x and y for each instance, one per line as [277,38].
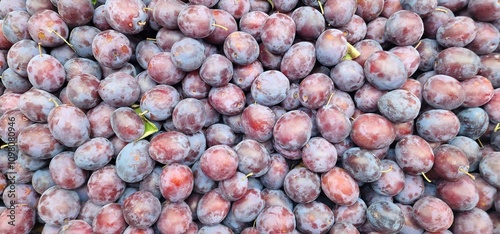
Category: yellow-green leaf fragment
[353,52]
[347,57]
[149,127]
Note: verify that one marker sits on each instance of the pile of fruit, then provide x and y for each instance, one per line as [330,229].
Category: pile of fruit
[250,116]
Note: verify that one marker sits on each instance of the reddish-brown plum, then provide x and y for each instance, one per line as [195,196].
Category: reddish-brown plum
[437,125]
[275,176]
[339,186]
[302,185]
[475,220]
[382,76]
[252,23]
[212,208]
[488,167]
[478,91]
[404,28]
[331,47]
[484,10]
[456,32]
[414,155]
[372,131]
[298,61]
[109,219]
[399,106]
[315,90]
[339,12]
[219,162]
[104,186]
[253,158]
[169,147]
[450,162]
[323,217]
[52,211]
[459,63]
[413,189]
[292,130]
[276,219]
[241,48]
[453,193]
[443,92]
[141,209]
[278,33]
[127,124]
[189,116]
[425,210]
[228,99]
[391,182]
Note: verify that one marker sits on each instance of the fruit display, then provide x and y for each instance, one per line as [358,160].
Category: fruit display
[249,116]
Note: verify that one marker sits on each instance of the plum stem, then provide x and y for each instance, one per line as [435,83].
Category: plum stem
[246,177]
[388,170]
[220,26]
[64,39]
[145,9]
[299,165]
[7,145]
[418,44]
[329,99]
[352,118]
[497,128]
[461,169]
[272,3]
[151,39]
[141,23]
[40,48]
[54,101]
[425,177]
[321,7]
[480,143]
[442,10]
[143,113]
